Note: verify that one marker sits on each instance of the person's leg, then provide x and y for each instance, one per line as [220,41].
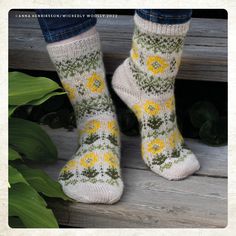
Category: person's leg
[165,16]
[61,24]
[145,82]
[93,174]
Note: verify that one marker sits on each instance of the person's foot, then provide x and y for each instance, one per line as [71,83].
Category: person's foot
[93,174]
[145,82]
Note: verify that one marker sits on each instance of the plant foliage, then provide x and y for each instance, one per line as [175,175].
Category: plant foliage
[28,141]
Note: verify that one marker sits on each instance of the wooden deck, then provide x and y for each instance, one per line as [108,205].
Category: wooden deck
[149,200]
[204,57]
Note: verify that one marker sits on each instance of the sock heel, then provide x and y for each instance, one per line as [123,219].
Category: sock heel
[124,87]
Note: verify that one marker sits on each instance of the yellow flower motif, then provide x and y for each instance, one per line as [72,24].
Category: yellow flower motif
[170,103]
[71,91]
[152,108]
[175,138]
[92,126]
[156,64]
[134,52]
[156,146]
[111,159]
[95,83]
[137,110]
[89,160]
[113,127]
[70,165]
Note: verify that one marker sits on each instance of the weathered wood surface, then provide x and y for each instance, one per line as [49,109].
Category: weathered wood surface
[204,56]
[149,200]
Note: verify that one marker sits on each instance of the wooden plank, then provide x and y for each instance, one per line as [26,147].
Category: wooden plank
[148,200]
[213,160]
[151,201]
[205,46]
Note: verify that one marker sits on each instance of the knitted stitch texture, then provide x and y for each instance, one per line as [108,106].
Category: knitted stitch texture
[93,174]
[145,82]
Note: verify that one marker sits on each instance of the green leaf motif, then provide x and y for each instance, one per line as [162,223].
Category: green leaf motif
[154,122]
[65,175]
[91,139]
[159,159]
[30,140]
[97,105]
[113,139]
[29,206]
[158,43]
[85,63]
[90,172]
[113,173]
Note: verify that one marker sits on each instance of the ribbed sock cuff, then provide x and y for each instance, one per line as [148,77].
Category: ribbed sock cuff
[75,48]
[163,29]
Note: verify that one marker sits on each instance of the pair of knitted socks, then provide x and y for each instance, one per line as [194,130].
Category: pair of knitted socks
[145,82]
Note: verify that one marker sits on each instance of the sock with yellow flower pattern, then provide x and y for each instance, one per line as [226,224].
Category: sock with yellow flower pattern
[145,82]
[93,174]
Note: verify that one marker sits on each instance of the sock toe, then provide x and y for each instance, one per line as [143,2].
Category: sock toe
[182,169]
[94,193]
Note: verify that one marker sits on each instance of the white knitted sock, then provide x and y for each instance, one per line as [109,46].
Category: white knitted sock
[145,82]
[93,175]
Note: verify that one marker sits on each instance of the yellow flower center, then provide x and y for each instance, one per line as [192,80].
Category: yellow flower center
[95,83]
[156,146]
[156,64]
[89,160]
[152,108]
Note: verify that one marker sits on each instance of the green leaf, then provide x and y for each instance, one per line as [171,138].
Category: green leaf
[30,140]
[15,176]
[15,222]
[45,98]
[214,132]
[13,155]
[200,112]
[29,206]
[24,88]
[11,110]
[41,182]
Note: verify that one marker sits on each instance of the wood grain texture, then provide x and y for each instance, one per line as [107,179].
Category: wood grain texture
[149,200]
[213,160]
[204,56]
